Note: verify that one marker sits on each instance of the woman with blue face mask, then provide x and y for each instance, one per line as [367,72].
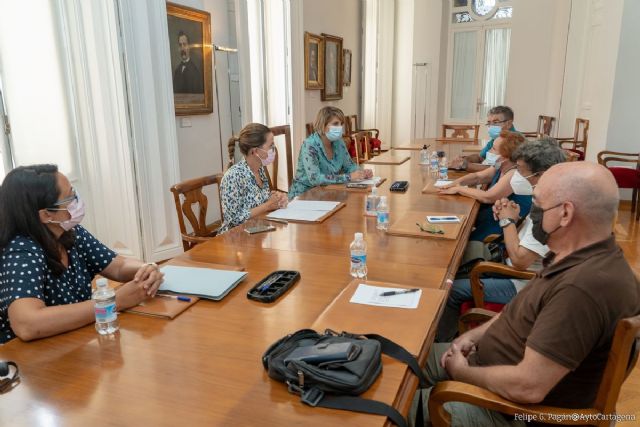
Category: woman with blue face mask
[324,158]
[48,260]
[245,191]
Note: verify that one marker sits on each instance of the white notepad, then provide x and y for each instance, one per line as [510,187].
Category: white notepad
[304,210]
[373,181]
[202,282]
[371,295]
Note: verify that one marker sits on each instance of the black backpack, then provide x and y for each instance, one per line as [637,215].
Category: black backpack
[336,385]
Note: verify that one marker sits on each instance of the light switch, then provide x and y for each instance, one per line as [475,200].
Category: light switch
[185,122]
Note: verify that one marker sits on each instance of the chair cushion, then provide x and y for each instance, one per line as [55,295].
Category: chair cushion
[626,177]
[375,142]
[493,306]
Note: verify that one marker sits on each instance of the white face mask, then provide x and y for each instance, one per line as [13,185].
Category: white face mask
[520,185]
[491,158]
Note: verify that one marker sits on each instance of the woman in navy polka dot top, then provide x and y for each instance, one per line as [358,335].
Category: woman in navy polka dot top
[47,260]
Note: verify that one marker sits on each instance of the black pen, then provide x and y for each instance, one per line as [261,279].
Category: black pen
[404,291]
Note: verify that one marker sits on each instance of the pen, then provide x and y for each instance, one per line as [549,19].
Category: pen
[281,221]
[266,285]
[178,297]
[404,291]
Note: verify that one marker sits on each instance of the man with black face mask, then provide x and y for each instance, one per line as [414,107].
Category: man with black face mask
[551,343]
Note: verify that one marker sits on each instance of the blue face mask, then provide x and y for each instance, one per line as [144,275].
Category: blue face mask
[494,131]
[335,133]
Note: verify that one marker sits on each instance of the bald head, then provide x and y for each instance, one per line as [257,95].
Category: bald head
[589,186]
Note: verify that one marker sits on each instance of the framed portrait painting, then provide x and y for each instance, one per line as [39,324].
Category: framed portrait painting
[313,61]
[346,61]
[332,68]
[191,62]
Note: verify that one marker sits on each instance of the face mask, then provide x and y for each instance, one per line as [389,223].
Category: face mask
[537,215]
[335,133]
[271,156]
[76,210]
[491,158]
[494,131]
[520,185]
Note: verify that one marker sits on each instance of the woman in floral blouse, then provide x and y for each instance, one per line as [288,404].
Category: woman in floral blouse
[245,191]
[323,157]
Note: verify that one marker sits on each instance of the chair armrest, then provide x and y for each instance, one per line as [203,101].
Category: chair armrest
[473,317]
[491,237]
[455,391]
[530,134]
[375,131]
[477,289]
[568,138]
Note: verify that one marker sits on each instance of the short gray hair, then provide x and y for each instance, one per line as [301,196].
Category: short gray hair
[506,112]
[540,154]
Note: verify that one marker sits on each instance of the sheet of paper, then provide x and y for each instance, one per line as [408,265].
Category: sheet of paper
[373,181]
[296,214]
[312,205]
[371,295]
[205,282]
[442,182]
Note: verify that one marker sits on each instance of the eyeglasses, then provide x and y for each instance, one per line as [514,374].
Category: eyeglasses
[496,122]
[432,229]
[74,196]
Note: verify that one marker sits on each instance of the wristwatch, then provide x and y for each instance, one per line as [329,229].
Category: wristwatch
[506,221]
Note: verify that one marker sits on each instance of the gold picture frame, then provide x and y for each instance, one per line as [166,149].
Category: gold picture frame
[313,61]
[332,68]
[191,59]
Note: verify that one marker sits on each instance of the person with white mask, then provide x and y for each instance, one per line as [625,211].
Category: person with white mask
[48,260]
[324,158]
[532,158]
[499,119]
[245,191]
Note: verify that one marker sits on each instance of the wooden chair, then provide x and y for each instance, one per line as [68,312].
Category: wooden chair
[481,311]
[191,192]
[352,127]
[461,131]
[622,359]
[545,126]
[577,143]
[286,131]
[626,177]
[360,145]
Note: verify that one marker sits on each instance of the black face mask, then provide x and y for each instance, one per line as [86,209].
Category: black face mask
[537,215]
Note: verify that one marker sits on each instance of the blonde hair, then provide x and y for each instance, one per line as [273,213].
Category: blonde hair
[251,136]
[324,117]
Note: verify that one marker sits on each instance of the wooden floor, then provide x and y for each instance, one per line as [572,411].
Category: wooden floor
[628,236]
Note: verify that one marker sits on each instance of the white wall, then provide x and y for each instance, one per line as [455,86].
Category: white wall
[623,122]
[402,73]
[342,19]
[201,151]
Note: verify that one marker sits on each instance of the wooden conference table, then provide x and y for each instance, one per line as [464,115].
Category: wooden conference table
[204,367]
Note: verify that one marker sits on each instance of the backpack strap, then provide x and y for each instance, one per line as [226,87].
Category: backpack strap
[399,353]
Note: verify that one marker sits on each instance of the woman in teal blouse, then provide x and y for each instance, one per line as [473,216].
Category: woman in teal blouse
[323,157]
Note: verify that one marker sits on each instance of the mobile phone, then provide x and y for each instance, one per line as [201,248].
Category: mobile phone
[356,185]
[399,186]
[259,229]
[325,352]
[442,219]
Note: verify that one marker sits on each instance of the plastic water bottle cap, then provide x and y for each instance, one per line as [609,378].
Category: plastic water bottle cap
[383,198]
[424,147]
[359,236]
[102,282]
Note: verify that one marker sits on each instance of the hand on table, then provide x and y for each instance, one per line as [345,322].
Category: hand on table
[144,285]
[449,189]
[368,173]
[358,175]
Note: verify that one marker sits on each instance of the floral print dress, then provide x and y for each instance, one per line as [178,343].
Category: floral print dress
[239,193]
[315,168]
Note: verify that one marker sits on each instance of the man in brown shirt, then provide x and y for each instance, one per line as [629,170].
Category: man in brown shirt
[551,343]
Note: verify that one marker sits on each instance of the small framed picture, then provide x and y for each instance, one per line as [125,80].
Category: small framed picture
[332,68]
[346,75]
[191,62]
[313,61]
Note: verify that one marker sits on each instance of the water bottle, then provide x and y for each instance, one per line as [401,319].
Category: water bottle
[424,155]
[105,308]
[371,202]
[433,163]
[444,167]
[383,214]
[358,257]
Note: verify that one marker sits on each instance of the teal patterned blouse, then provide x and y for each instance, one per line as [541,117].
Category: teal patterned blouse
[315,168]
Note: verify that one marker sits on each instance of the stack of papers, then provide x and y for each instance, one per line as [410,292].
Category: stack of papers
[442,182]
[304,210]
[373,181]
[371,295]
[201,282]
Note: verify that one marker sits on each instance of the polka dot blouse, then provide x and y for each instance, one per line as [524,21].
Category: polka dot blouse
[24,274]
